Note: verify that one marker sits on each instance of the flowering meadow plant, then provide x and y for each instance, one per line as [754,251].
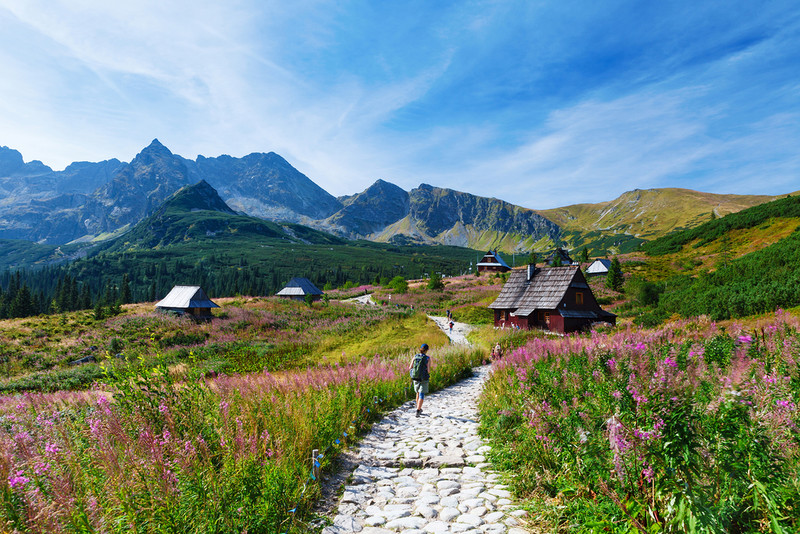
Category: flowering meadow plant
[684,428]
[229,454]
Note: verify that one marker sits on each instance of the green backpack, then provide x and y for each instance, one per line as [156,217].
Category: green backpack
[419,370]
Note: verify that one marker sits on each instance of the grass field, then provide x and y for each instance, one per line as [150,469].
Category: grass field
[197,427]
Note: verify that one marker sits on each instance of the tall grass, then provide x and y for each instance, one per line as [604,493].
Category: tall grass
[685,428]
[230,454]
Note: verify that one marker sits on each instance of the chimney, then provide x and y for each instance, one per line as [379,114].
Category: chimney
[531,270]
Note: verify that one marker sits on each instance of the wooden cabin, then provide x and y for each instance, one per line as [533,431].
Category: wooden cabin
[550,298]
[562,255]
[187,300]
[298,288]
[492,263]
[598,267]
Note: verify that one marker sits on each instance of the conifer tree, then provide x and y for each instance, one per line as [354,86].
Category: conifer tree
[125,290]
[614,278]
[22,305]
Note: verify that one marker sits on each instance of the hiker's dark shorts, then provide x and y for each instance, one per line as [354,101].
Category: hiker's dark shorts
[421,387]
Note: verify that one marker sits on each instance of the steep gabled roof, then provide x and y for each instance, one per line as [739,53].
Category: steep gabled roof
[544,291]
[562,254]
[492,254]
[186,297]
[512,290]
[599,266]
[299,287]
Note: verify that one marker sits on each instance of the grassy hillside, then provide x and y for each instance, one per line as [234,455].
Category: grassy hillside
[647,214]
[739,265]
[783,208]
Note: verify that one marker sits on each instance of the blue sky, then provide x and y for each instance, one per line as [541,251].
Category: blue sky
[539,103]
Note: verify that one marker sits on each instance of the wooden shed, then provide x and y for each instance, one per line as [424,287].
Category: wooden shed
[492,263]
[189,300]
[298,288]
[550,298]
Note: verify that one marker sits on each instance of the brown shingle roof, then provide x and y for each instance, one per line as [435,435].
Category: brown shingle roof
[543,292]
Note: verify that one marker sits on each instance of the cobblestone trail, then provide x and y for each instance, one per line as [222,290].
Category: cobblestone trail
[428,475]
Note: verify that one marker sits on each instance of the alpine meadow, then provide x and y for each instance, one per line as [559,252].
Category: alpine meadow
[399,267]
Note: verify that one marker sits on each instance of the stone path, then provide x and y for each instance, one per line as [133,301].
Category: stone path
[428,475]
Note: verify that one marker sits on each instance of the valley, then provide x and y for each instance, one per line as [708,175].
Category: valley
[605,428]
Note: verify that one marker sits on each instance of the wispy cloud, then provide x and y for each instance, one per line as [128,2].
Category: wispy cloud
[538,104]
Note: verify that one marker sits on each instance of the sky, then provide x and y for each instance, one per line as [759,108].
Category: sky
[539,103]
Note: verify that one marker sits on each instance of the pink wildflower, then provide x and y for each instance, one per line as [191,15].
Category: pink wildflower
[18,479]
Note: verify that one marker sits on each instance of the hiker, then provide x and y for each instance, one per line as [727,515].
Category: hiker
[448,315]
[451,326]
[497,351]
[418,368]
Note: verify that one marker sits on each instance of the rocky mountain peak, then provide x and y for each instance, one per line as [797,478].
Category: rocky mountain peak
[10,161]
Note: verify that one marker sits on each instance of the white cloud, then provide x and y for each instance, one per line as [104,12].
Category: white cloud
[595,150]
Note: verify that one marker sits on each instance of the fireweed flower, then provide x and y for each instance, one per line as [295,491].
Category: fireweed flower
[18,480]
[41,468]
[648,474]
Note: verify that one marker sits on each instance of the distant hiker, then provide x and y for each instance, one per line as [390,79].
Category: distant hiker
[448,315]
[418,369]
[498,351]
[451,326]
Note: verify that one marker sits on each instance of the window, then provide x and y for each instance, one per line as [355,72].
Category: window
[578,297]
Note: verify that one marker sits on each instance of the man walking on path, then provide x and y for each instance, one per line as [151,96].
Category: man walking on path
[418,368]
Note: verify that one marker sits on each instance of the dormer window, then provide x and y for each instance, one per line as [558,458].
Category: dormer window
[579,297]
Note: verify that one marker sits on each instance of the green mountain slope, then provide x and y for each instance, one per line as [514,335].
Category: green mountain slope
[624,223]
[194,238]
[742,264]
[197,216]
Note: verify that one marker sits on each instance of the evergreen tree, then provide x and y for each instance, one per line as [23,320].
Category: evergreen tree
[125,290]
[585,255]
[22,305]
[614,278]
[85,298]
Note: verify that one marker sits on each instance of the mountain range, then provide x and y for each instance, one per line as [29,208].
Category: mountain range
[95,201]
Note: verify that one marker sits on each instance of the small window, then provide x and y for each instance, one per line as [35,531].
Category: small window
[578,297]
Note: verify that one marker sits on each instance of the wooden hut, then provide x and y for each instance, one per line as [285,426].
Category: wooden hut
[187,300]
[598,267]
[492,263]
[551,298]
[298,288]
[562,255]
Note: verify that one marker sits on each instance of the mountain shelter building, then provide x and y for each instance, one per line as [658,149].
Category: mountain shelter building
[187,300]
[492,263]
[298,288]
[551,298]
[598,267]
[562,255]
